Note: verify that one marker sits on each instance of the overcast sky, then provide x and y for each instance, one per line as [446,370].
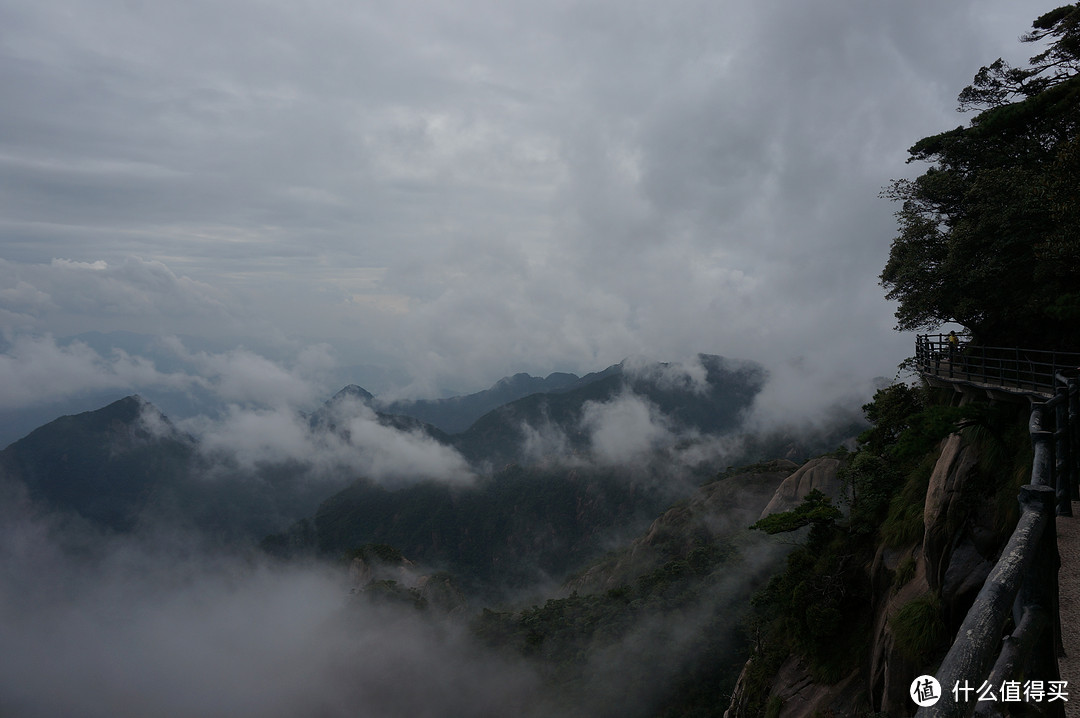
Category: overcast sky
[464,190]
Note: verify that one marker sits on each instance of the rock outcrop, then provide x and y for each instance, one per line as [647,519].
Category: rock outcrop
[960,542]
[821,473]
[390,577]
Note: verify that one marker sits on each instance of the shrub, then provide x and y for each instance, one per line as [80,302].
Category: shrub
[919,628]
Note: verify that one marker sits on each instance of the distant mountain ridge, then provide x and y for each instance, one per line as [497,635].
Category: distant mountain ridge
[126,464]
[105,465]
[710,401]
[337,408]
[707,397]
[114,464]
[458,413]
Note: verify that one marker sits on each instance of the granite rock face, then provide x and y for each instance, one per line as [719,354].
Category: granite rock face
[957,550]
[821,473]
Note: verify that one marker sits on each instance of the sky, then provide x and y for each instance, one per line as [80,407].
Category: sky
[460,191]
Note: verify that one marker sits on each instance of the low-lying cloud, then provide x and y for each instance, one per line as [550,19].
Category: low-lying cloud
[688,376]
[250,409]
[631,432]
[625,429]
[357,445]
[163,626]
[805,395]
[39,369]
[163,623]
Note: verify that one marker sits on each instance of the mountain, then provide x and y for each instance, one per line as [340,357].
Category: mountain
[509,529]
[126,466]
[872,596]
[18,422]
[653,628]
[710,401]
[664,401]
[353,400]
[456,414]
[127,463]
[105,465]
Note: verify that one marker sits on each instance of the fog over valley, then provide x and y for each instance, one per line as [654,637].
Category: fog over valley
[272,561]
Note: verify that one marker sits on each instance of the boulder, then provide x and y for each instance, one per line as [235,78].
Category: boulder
[821,474]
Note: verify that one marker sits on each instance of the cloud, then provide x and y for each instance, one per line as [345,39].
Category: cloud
[36,370]
[360,445]
[804,395]
[625,428]
[252,407]
[162,625]
[130,289]
[39,370]
[689,376]
[480,189]
[240,375]
[392,453]
[547,443]
[66,296]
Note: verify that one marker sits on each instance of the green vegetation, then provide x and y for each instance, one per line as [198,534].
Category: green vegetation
[819,606]
[666,640]
[816,511]
[903,525]
[564,636]
[388,591]
[889,471]
[504,531]
[919,628]
[989,234]
[375,552]
[904,572]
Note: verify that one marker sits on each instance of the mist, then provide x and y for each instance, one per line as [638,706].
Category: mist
[251,438]
[166,624]
[166,621]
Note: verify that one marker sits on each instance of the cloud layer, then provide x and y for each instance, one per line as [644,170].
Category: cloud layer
[465,192]
[160,625]
[360,445]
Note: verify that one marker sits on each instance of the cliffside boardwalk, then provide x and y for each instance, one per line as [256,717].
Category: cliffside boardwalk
[1025,582]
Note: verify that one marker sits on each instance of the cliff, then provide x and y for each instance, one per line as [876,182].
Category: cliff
[872,600]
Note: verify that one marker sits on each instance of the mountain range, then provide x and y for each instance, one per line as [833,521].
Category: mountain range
[531,509]
[456,414]
[604,494]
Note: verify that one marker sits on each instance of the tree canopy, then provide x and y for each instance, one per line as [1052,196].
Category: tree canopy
[989,234]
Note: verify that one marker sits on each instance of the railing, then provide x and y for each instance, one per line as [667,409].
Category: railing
[1023,370]
[1051,380]
[1024,582]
